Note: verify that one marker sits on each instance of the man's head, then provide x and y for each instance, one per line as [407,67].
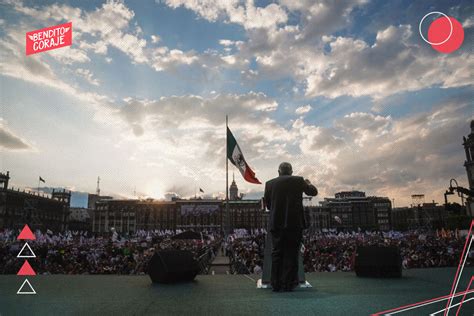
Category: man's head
[285,169]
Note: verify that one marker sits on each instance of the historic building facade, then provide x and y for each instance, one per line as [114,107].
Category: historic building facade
[429,215]
[197,214]
[352,210]
[79,219]
[247,214]
[39,211]
[318,217]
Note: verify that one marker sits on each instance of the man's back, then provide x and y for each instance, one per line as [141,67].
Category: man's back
[284,199]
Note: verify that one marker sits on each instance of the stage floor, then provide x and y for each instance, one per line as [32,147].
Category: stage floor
[332,294]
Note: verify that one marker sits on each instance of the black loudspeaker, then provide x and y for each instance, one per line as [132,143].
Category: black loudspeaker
[379,262]
[171,266]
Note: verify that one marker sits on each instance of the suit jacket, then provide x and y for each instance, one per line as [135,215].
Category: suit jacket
[284,198]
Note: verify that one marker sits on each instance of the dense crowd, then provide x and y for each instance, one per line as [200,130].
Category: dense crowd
[331,251]
[80,253]
[83,253]
[246,251]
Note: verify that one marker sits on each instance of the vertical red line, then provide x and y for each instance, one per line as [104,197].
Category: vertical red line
[457,271]
[464,296]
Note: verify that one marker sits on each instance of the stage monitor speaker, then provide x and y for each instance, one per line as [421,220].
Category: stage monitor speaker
[379,262]
[172,266]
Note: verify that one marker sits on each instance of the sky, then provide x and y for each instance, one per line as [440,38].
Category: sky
[346,91]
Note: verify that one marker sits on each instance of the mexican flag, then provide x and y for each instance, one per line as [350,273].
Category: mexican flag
[234,154]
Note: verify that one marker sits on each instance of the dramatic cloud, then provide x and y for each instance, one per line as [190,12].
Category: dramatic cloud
[397,158]
[233,11]
[191,129]
[11,142]
[362,150]
[364,126]
[95,30]
[35,69]
[308,56]
[69,56]
[307,52]
[345,66]
[332,66]
[88,76]
[318,140]
[194,113]
[110,26]
[322,17]
[392,64]
[303,109]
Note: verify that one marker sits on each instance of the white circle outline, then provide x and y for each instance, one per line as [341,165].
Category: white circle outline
[450,32]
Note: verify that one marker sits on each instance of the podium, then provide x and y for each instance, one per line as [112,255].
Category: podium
[264,282]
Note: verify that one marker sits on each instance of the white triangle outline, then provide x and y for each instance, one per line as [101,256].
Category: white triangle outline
[30,256]
[26,293]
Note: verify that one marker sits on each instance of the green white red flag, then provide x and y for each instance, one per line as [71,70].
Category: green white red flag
[234,154]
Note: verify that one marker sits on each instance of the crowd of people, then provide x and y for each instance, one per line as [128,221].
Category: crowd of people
[330,251]
[81,253]
[246,251]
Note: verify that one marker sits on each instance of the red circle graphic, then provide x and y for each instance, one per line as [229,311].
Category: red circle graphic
[439,31]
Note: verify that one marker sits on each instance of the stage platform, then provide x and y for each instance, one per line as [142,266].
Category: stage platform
[332,294]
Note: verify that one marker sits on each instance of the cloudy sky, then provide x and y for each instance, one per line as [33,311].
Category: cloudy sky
[347,91]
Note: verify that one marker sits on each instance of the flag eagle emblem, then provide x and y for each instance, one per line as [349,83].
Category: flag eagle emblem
[234,154]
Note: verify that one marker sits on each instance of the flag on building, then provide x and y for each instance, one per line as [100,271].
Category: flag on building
[42,180]
[234,154]
[201,190]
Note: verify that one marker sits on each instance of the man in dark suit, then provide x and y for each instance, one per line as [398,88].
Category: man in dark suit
[284,198]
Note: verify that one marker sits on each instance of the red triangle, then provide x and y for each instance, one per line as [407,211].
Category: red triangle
[26,269]
[26,233]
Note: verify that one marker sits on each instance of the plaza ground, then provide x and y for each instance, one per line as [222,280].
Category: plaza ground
[340,293]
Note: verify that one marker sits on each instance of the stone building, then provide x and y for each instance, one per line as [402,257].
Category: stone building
[39,211]
[195,214]
[355,210]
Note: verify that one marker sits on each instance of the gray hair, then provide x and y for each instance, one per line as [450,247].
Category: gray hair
[285,169]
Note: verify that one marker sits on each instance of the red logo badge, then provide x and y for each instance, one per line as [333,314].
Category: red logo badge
[49,38]
[445,34]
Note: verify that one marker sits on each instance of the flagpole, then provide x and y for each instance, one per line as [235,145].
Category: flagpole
[227,219]
[39,184]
